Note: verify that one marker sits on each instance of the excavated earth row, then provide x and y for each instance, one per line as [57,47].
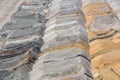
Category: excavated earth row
[21,40]
[103,29]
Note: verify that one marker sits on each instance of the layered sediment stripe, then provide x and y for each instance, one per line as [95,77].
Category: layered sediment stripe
[102,23]
[21,20]
[27,33]
[65,44]
[79,45]
[101,16]
[64,8]
[87,2]
[10,62]
[115,5]
[61,21]
[60,38]
[22,32]
[72,52]
[66,63]
[8,10]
